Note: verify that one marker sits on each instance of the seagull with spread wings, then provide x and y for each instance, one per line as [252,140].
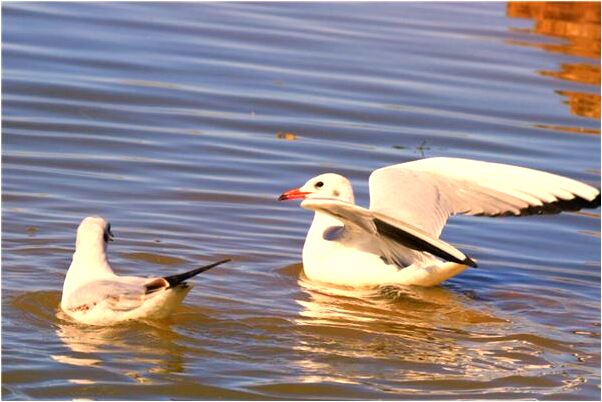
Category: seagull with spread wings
[396,240]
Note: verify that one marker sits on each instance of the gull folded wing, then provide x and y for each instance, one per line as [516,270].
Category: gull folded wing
[387,231]
[417,239]
[116,295]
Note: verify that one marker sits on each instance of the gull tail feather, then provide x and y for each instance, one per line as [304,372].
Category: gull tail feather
[175,280]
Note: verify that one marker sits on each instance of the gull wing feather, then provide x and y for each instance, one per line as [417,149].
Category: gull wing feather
[118,295]
[387,232]
[426,192]
[127,292]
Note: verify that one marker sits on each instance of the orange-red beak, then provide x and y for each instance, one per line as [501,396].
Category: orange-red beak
[293,194]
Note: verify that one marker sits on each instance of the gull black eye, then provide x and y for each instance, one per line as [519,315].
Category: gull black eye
[319,184]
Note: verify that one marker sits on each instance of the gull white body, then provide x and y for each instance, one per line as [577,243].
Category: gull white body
[94,294]
[396,241]
[359,263]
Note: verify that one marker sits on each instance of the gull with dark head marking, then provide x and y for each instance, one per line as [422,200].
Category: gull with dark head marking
[396,240]
[94,294]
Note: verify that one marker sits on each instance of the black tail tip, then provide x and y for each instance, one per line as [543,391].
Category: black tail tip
[470,262]
[174,280]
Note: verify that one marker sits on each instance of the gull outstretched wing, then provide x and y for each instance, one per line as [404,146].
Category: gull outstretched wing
[426,192]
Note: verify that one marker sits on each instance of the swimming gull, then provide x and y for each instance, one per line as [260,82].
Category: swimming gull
[94,294]
[396,240]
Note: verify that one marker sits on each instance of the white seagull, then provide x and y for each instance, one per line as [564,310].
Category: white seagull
[94,294]
[396,240]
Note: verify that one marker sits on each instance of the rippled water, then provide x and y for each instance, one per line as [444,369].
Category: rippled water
[182,123]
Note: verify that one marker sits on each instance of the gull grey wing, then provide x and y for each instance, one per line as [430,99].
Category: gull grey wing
[127,292]
[349,214]
[386,230]
[426,192]
[117,295]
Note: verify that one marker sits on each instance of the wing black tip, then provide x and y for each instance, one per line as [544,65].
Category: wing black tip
[596,202]
[574,204]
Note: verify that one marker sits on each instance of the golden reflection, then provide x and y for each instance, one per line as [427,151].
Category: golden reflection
[579,72]
[286,135]
[423,330]
[576,22]
[576,130]
[146,344]
[583,104]
[423,336]
[578,25]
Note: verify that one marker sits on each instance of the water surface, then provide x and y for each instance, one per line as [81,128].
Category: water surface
[182,123]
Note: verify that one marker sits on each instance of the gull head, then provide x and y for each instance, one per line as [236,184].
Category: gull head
[93,233]
[327,185]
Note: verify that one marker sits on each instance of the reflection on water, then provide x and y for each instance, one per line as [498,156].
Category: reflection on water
[135,349]
[577,22]
[583,104]
[578,25]
[402,305]
[149,347]
[429,337]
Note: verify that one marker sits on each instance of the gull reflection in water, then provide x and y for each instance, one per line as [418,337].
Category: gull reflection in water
[403,333]
[134,346]
[418,307]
